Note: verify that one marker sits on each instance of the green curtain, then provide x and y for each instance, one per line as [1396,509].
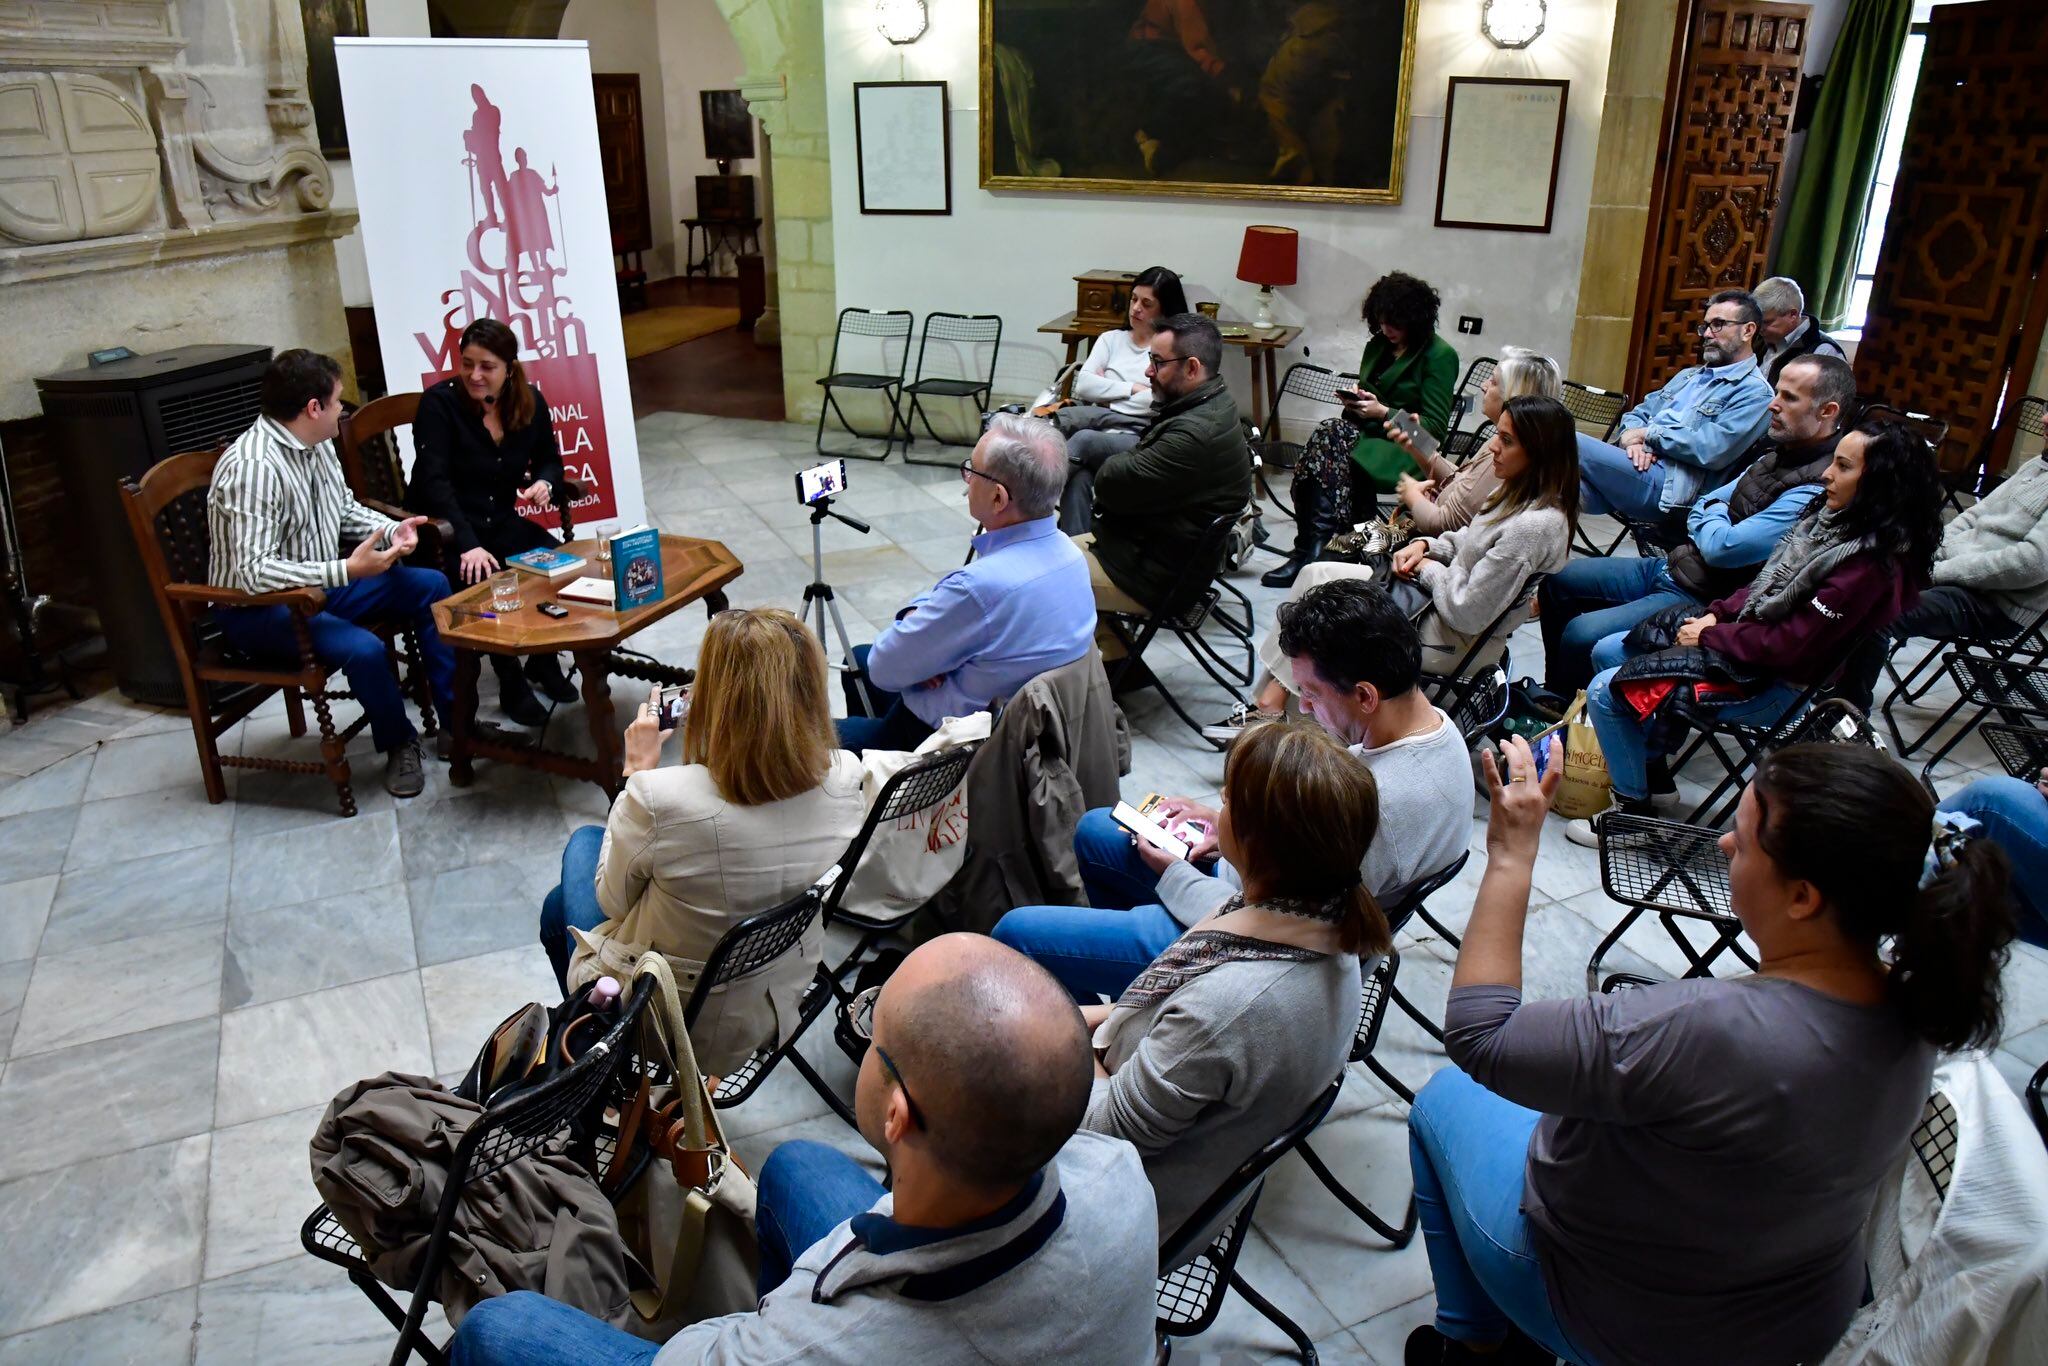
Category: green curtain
[1825,214]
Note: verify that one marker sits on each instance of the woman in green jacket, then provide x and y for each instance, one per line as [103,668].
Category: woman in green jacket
[1349,462]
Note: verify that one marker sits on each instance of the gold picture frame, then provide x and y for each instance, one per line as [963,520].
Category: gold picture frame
[1018,79]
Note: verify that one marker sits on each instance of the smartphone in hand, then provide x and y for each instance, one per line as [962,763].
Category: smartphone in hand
[1350,396]
[1148,830]
[1409,425]
[673,707]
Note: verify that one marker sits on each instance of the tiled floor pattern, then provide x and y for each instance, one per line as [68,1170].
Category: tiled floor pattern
[184,986]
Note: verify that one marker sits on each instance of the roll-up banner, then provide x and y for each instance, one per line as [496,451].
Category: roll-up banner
[481,195]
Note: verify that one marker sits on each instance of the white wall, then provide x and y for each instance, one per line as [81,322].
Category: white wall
[624,37]
[1013,253]
[698,53]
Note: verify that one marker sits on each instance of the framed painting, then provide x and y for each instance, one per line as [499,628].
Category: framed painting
[1502,141]
[1274,99]
[903,146]
[325,21]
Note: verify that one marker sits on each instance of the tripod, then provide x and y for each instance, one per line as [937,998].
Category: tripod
[818,599]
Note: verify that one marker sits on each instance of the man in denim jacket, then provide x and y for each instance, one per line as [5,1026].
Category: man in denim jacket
[1694,427]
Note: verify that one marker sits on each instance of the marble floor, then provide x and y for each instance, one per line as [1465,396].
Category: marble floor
[183,986]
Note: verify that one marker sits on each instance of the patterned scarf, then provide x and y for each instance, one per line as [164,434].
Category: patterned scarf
[1812,550]
[1202,951]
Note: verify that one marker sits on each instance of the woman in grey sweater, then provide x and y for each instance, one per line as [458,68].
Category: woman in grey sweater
[1472,575]
[1231,1032]
[1681,1173]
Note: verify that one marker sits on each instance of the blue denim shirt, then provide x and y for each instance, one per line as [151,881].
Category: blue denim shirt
[1701,421]
[1020,607]
[1727,544]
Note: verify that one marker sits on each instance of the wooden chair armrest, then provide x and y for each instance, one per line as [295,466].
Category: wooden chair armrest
[439,525]
[305,601]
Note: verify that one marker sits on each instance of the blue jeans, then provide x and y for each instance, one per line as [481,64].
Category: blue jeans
[525,1329]
[806,1191]
[893,725]
[1469,1148]
[1626,748]
[401,593]
[573,902]
[1590,600]
[1099,949]
[1610,482]
[2015,816]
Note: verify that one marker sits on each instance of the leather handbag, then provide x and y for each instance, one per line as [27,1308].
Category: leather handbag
[535,1043]
[686,1207]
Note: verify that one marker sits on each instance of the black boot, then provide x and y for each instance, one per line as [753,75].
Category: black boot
[545,671]
[1312,527]
[515,694]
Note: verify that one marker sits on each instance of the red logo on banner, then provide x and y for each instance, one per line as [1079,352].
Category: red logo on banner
[516,273]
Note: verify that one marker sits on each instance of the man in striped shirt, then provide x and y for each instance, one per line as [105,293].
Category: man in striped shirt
[280,516]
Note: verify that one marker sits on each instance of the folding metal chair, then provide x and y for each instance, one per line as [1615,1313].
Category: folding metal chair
[1757,736]
[2021,751]
[1376,984]
[1447,686]
[2015,688]
[1676,871]
[1934,431]
[1597,412]
[1470,388]
[881,327]
[1462,446]
[1190,605]
[1478,704]
[1305,383]
[1193,1274]
[2028,645]
[954,332]
[566,1107]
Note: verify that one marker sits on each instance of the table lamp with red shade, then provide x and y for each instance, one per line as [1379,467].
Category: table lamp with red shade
[1267,260]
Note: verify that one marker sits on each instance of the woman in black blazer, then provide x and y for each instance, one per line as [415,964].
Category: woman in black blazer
[483,442]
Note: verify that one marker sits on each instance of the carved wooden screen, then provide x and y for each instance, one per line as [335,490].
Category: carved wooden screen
[1968,227]
[1718,180]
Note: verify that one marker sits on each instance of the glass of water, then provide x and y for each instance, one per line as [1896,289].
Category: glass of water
[505,591]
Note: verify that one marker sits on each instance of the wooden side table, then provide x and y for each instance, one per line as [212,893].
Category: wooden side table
[692,570]
[1262,347]
[720,234]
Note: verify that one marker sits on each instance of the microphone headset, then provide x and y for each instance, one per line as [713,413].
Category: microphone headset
[490,400]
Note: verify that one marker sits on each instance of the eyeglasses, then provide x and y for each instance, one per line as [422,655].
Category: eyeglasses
[967,469]
[860,1018]
[1713,325]
[1161,362]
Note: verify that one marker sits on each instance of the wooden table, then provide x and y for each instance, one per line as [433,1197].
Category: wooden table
[1262,347]
[692,570]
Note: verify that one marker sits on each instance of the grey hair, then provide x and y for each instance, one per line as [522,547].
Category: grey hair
[1029,456]
[1523,373]
[1780,295]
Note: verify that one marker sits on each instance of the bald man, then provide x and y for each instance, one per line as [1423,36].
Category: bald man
[1007,1237]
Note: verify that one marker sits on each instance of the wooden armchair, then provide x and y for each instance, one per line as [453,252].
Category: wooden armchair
[167,513]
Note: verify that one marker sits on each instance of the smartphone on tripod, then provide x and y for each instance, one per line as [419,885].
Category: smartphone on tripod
[820,481]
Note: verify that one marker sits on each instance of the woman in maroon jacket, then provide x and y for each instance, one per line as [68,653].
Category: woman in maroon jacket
[1858,558]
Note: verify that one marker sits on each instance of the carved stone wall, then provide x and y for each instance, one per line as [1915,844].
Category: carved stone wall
[160,183]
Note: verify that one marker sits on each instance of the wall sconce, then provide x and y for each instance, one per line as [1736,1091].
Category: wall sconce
[901,21]
[1512,24]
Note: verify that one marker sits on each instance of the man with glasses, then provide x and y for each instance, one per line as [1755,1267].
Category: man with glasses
[1155,501]
[1020,607]
[1694,427]
[1005,1235]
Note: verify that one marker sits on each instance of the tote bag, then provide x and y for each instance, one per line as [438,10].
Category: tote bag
[909,860]
[1586,790]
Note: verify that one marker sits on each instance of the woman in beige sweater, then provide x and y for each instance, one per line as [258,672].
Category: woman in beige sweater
[761,805]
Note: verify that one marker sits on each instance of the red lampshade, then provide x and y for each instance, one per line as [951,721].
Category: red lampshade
[1268,256]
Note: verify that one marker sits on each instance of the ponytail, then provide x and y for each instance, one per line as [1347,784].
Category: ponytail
[1860,829]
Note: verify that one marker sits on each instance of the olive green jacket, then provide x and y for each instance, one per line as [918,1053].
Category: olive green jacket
[1422,382]
[1154,501]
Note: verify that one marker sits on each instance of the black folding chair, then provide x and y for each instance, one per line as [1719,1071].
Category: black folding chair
[1470,388]
[954,332]
[1377,984]
[1462,446]
[1754,737]
[1306,383]
[1934,431]
[1408,905]
[1597,412]
[1674,870]
[2031,641]
[1193,1274]
[1189,606]
[2016,688]
[748,947]
[881,328]
[1446,686]
[1478,704]
[566,1107]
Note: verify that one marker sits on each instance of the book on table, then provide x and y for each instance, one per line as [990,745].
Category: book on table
[636,567]
[554,565]
[591,590]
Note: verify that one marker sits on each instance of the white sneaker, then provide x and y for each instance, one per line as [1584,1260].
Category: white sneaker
[1666,801]
[1584,833]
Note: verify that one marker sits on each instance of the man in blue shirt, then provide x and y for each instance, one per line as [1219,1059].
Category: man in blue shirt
[1020,607]
[1587,608]
[1692,428]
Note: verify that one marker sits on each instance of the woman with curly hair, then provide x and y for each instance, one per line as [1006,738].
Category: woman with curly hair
[1348,462]
[1858,557]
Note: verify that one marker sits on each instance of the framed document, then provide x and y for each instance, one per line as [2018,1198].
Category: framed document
[1502,140]
[903,146]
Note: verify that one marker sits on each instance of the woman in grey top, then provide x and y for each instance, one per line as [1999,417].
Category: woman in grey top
[1681,1173]
[1472,575]
[1230,1033]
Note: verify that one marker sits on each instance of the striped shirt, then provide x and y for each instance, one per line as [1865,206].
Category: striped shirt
[281,516]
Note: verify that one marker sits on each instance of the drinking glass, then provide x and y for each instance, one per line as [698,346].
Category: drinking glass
[505,591]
